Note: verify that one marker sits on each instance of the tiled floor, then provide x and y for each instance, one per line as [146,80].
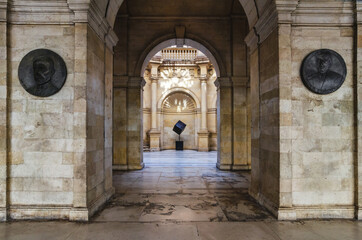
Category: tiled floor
[181,187]
[181,195]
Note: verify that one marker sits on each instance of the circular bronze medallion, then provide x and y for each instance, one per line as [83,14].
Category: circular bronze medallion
[323,71]
[42,73]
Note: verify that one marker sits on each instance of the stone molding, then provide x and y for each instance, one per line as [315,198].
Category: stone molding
[111,39]
[240,81]
[40,12]
[136,82]
[3,10]
[60,12]
[324,14]
[359,12]
[223,82]
[120,81]
[252,41]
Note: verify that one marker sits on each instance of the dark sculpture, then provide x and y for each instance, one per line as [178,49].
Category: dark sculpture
[323,71]
[42,72]
[179,128]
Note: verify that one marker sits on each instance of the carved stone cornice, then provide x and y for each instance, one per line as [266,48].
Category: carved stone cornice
[223,82]
[136,82]
[39,12]
[321,13]
[252,41]
[267,23]
[111,39]
[241,81]
[359,12]
[120,81]
[3,10]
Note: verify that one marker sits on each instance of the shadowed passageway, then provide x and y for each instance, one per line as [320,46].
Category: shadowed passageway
[184,187]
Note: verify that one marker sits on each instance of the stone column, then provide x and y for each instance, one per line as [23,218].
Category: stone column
[3,114]
[135,123]
[203,134]
[224,123]
[240,130]
[358,54]
[154,132]
[120,122]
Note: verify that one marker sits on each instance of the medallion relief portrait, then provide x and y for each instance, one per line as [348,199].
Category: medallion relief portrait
[42,73]
[323,71]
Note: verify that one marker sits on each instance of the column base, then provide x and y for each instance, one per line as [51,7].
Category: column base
[359,213]
[128,167]
[232,167]
[305,212]
[3,214]
[203,141]
[154,140]
[60,213]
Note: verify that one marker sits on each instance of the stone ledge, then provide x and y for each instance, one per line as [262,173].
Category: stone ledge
[39,212]
[119,167]
[241,167]
[308,212]
[3,214]
[323,212]
[125,167]
[359,214]
[100,201]
[232,167]
[57,212]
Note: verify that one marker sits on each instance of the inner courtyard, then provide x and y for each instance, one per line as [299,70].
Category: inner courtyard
[235,119]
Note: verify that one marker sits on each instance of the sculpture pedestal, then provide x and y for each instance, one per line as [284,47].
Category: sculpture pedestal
[179,145]
[203,141]
[154,141]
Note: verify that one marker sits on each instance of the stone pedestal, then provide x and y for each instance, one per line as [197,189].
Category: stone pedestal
[203,141]
[154,140]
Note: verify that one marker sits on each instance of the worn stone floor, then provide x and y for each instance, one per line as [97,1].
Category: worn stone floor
[181,195]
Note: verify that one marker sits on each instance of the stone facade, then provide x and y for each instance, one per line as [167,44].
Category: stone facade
[304,149]
[164,137]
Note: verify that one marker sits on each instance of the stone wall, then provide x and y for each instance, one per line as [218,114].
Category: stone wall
[99,157]
[166,121]
[269,119]
[323,127]
[3,120]
[41,129]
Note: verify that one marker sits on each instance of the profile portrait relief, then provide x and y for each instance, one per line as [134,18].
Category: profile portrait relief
[42,73]
[323,71]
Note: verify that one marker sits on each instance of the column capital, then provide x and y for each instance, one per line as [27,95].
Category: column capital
[136,82]
[241,81]
[223,82]
[154,79]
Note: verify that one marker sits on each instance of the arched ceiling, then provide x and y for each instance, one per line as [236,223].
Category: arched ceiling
[252,8]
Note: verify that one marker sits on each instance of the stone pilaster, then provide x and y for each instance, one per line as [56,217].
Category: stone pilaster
[120,122]
[252,42]
[224,123]
[358,54]
[285,123]
[80,211]
[135,123]
[240,124]
[3,112]
[155,133]
[203,134]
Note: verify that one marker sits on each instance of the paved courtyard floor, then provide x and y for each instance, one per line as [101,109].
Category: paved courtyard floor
[181,195]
